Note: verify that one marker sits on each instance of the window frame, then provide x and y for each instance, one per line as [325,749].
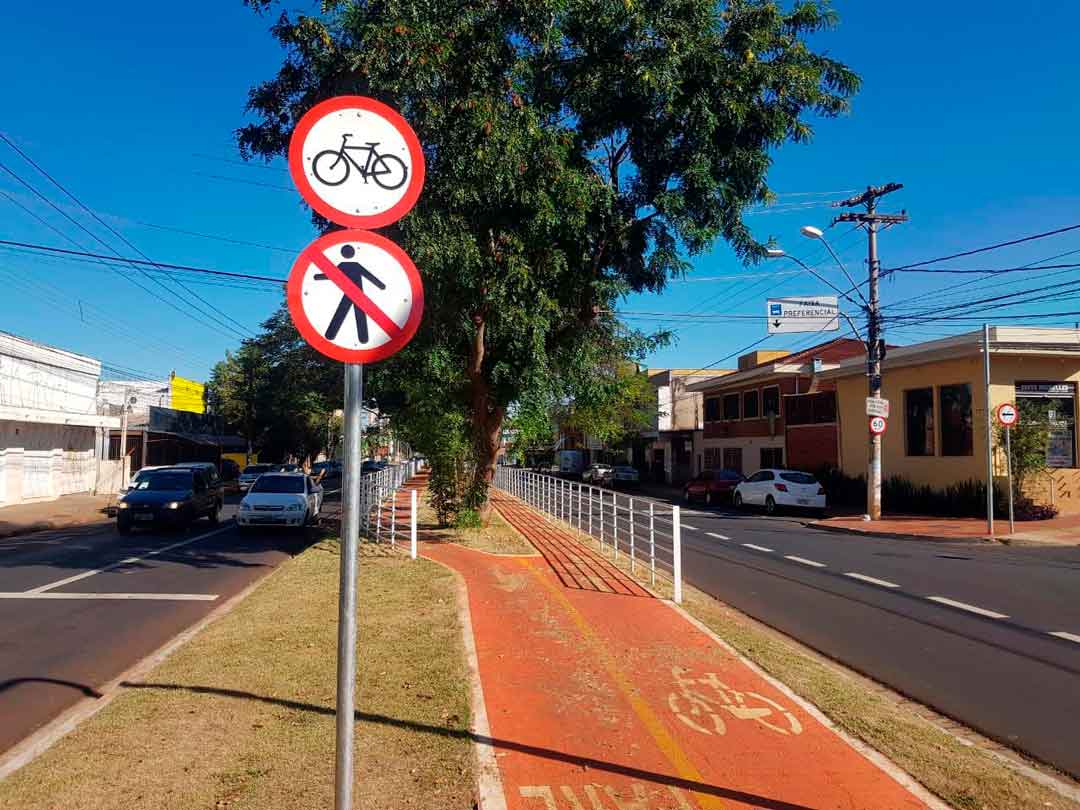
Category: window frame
[779,401]
[770,450]
[756,393]
[737,396]
[718,416]
[933,417]
[940,420]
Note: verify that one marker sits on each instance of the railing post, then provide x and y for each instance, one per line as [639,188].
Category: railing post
[652,544]
[631,535]
[601,494]
[676,553]
[393,518]
[412,523]
[590,510]
[615,523]
[378,513]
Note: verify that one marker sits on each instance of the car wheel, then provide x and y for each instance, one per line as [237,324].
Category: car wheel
[215,514]
[770,505]
[736,500]
[708,498]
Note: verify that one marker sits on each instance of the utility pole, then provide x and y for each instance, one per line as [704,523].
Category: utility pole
[123,438]
[875,343]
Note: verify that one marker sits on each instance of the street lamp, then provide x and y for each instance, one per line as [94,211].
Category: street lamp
[810,232]
[779,253]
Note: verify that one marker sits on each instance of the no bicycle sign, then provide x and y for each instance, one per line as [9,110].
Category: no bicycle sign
[355,296]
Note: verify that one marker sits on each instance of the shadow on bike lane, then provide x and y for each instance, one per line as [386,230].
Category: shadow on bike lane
[604,698]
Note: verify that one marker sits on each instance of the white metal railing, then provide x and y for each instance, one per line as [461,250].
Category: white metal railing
[385,514]
[647,533]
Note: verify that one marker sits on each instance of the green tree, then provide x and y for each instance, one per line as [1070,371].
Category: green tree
[236,391]
[576,150]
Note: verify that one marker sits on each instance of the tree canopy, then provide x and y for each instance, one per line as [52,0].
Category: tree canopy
[577,151]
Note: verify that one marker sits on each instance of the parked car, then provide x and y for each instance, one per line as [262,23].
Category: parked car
[712,486]
[230,474]
[250,474]
[598,474]
[625,476]
[281,499]
[370,466]
[170,496]
[327,469]
[286,468]
[776,488]
[210,470]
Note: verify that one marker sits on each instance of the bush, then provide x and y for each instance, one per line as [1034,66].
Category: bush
[468,519]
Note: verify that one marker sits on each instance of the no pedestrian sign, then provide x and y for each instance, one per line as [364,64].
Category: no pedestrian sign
[357,162]
[355,296]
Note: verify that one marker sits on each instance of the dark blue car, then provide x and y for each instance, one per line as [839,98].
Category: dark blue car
[170,496]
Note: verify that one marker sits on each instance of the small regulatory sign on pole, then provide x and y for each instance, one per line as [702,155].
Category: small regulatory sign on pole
[1007,416]
[355,297]
[878,424]
[877,407]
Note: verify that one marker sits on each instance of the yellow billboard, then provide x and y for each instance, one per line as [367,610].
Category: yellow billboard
[186,395]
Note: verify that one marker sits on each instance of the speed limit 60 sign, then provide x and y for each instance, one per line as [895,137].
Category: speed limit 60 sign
[1007,415]
[878,425]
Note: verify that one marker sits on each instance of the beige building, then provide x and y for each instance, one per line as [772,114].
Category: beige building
[678,423]
[940,406]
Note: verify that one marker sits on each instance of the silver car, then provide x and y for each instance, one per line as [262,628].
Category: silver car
[625,476]
[250,474]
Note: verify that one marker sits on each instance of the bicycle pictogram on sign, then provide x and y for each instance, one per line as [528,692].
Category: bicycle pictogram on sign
[357,162]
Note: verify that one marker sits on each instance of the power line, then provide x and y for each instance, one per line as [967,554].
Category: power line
[114,232]
[999,245]
[987,272]
[229,240]
[127,260]
[243,182]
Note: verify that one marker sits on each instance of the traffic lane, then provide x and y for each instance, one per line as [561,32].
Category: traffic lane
[1035,586]
[34,562]
[54,651]
[1011,684]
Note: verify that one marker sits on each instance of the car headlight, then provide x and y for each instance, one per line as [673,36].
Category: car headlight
[173,505]
[123,505]
[293,507]
[245,506]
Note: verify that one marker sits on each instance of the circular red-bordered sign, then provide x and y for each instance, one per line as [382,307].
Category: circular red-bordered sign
[355,296]
[357,162]
[878,424]
[1007,414]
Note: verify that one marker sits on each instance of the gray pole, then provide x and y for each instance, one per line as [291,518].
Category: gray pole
[989,434]
[873,473]
[350,530]
[1008,470]
[123,438]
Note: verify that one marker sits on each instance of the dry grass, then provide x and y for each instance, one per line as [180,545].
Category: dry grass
[242,717]
[497,537]
[966,776]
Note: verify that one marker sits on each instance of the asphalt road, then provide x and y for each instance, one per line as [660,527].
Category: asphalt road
[79,607]
[988,635]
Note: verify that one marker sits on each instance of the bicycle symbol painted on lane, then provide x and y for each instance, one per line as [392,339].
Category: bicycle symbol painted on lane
[333,167]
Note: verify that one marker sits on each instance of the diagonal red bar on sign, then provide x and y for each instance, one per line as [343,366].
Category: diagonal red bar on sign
[356,295]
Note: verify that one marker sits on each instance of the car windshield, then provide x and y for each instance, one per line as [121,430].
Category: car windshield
[798,478]
[164,482]
[279,483]
[256,469]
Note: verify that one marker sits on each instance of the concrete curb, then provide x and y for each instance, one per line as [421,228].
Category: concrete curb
[930,538]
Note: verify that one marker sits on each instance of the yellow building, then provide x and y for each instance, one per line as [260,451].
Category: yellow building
[938,395]
[186,395]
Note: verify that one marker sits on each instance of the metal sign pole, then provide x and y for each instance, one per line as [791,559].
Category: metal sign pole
[1008,470]
[350,531]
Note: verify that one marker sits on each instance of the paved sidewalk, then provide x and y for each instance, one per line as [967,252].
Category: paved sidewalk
[63,513]
[1064,530]
[601,697]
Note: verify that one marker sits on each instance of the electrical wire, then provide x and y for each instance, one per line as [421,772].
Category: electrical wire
[998,246]
[119,235]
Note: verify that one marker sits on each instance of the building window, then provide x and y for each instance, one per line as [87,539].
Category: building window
[1054,402]
[712,457]
[772,457]
[712,409]
[811,409]
[770,400]
[733,459]
[750,405]
[957,426]
[919,421]
[731,407]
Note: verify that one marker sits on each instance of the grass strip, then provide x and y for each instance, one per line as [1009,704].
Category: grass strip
[497,537]
[242,716]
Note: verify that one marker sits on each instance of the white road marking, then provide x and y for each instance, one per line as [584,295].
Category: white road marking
[718,536]
[128,561]
[884,583]
[756,548]
[804,561]
[993,614]
[168,597]
[691,528]
[1067,636]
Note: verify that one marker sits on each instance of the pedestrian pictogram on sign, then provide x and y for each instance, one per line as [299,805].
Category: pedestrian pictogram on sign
[1007,415]
[355,296]
[357,162]
[878,425]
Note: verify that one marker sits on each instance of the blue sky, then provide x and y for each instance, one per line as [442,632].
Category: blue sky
[970,105]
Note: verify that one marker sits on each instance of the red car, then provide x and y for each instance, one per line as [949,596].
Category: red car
[712,486]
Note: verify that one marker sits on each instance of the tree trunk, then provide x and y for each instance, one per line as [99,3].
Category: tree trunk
[487,419]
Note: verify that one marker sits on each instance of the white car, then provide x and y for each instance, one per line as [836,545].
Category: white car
[250,474]
[281,499]
[775,488]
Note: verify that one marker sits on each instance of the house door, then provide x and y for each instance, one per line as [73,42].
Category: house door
[733,459]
